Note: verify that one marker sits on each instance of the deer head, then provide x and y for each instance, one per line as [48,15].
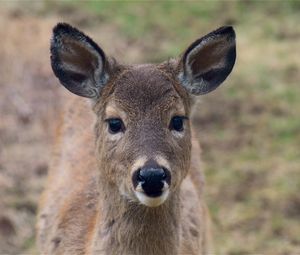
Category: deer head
[143,136]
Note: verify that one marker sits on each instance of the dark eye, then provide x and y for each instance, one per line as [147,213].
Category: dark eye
[177,123]
[115,125]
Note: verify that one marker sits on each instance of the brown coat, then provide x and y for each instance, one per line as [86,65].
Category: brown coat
[90,205]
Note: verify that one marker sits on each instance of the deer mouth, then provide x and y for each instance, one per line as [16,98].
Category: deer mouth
[153,200]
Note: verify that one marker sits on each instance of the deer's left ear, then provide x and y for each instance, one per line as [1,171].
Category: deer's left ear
[208,61]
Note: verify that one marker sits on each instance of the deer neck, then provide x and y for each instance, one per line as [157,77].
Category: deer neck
[125,227]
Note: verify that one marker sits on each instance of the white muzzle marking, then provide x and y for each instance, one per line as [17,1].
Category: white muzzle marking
[152,201]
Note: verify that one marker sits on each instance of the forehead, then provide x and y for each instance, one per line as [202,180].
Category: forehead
[145,87]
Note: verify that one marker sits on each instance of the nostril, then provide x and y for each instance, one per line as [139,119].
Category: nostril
[167,176]
[140,178]
[164,176]
[137,178]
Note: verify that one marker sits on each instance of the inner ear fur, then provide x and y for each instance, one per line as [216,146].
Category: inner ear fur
[208,61]
[77,61]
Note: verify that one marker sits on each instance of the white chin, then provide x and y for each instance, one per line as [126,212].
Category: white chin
[152,201]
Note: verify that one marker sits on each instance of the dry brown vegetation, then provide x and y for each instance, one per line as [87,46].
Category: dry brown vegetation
[249,129]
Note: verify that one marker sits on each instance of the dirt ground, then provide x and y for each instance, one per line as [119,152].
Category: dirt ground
[27,109]
[249,131]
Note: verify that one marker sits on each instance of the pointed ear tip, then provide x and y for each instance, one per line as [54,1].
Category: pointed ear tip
[226,30]
[62,27]
[230,31]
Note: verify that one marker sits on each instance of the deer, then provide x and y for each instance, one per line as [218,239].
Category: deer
[125,175]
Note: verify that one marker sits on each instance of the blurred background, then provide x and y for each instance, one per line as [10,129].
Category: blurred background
[249,128]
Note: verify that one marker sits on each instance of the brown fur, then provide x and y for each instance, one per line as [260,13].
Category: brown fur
[79,216]
[90,204]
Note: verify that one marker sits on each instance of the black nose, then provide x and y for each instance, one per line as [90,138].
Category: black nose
[151,180]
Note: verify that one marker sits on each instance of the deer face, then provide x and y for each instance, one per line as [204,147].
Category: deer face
[145,134]
[143,127]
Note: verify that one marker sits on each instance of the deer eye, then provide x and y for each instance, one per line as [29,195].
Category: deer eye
[115,125]
[177,123]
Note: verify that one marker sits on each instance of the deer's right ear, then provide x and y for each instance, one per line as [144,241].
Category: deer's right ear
[208,61]
[77,61]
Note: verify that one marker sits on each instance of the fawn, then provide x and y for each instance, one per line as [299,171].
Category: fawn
[125,176]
